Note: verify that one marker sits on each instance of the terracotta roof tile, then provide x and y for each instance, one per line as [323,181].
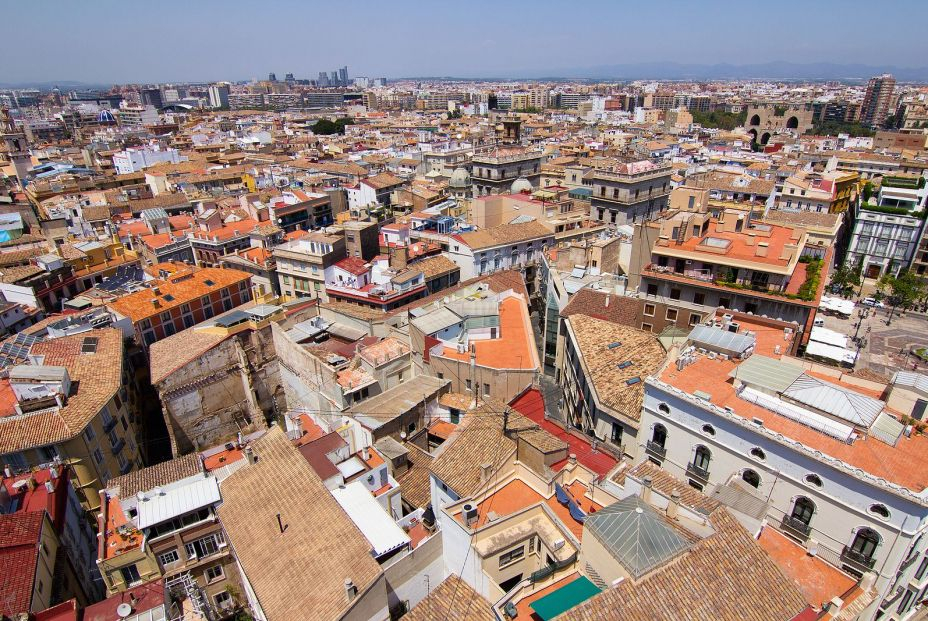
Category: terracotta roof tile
[146,479]
[452,600]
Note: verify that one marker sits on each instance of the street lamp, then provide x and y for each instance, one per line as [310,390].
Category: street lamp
[863,313]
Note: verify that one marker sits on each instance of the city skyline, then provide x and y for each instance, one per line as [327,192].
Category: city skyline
[388,40]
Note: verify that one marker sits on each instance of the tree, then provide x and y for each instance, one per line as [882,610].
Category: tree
[904,290]
[325,127]
[845,278]
[867,192]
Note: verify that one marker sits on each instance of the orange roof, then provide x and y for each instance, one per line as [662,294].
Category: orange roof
[905,464]
[113,542]
[158,240]
[375,459]
[222,458]
[295,235]
[514,347]
[442,428]
[818,581]
[738,248]
[257,255]
[183,286]
[234,229]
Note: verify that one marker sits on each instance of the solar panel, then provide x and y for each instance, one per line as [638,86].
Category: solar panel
[632,381]
[614,345]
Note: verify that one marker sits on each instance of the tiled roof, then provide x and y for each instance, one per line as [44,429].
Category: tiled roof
[354,265]
[726,577]
[414,482]
[173,352]
[97,375]
[434,266]
[383,180]
[665,484]
[19,549]
[618,309]
[146,479]
[301,572]
[452,600]
[596,341]
[184,286]
[505,234]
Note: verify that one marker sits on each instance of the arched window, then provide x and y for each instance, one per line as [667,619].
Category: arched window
[814,479]
[659,436]
[751,477]
[865,543]
[803,509]
[709,430]
[758,453]
[880,510]
[663,407]
[755,120]
[792,123]
[702,458]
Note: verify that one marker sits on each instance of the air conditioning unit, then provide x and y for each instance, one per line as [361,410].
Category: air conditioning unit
[470,513]
[558,544]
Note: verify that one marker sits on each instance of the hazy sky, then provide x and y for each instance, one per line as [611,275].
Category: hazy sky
[168,40]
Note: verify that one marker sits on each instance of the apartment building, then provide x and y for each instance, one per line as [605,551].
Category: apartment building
[159,523]
[179,297]
[820,455]
[883,241]
[306,263]
[483,342]
[627,193]
[74,406]
[505,246]
[878,100]
[497,171]
[603,368]
[700,262]
[70,544]
[376,285]
[830,192]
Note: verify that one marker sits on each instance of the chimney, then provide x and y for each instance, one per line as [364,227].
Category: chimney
[646,489]
[572,458]
[674,505]
[351,591]
[607,301]
[834,607]
[866,583]
[485,473]
[156,303]
[365,454]
[250,455]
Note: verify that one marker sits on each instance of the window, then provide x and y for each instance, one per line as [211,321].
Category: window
[468,384]
[171,556]
[223,600]
[671,314]
[694,319]
[531,545]
[751,478]
[512,556]
[659,435]
[616,435]
[205,546]
[880,510]
[814,479]
[865,542]
[130,575]
[647,327]
[649,310]
[920,572]
[699,298]
[486,390]
[709,430]
[89,345]
[47,453]
[97,456]
[803,509]
[214,573]
[702,457]
[758,453]
[906,602]
[674,294]
[89,434]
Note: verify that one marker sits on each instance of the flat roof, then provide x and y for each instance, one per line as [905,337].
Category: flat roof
[565,598]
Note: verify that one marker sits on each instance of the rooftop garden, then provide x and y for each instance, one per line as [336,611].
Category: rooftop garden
[806,291]
[896,211]
[909,183]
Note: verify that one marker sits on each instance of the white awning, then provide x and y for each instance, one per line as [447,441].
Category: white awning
[824,350]
[371,519]
[165,503]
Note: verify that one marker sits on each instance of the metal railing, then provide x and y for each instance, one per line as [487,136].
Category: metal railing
[796,525]
[656,449]
[698,472]
[855,558]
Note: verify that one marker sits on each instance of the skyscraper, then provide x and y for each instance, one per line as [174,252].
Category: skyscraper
[272,77]
[343,76]
[219,95]
[334,78]
[323,80]
[152,97]
[877,100]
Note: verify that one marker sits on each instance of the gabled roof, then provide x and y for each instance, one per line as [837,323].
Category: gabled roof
[159,475]
[301,572]
[19,549]
[845,404]
[638,537]
[452,600]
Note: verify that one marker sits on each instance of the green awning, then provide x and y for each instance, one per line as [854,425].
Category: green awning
[565,598]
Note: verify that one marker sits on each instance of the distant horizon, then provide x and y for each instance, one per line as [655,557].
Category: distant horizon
[118,43]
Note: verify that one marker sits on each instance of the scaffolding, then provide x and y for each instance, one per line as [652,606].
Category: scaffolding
[184,587]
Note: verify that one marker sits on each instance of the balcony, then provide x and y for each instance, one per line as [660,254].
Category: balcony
[697,472]
[859,561]
[109,424]
[656,449]
[796,527]
[126,468]
[117,448]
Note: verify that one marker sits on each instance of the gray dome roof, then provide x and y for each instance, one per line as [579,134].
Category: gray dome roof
[521,185]
[459,178]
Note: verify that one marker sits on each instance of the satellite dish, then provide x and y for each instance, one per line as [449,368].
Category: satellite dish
[123,610]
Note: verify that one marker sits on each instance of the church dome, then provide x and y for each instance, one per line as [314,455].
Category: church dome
[459,178]
[521,185]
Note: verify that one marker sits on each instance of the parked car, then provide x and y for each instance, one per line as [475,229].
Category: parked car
[873,303]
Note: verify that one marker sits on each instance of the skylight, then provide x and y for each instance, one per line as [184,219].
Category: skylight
[614,345]
[625,364]
[632,381]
